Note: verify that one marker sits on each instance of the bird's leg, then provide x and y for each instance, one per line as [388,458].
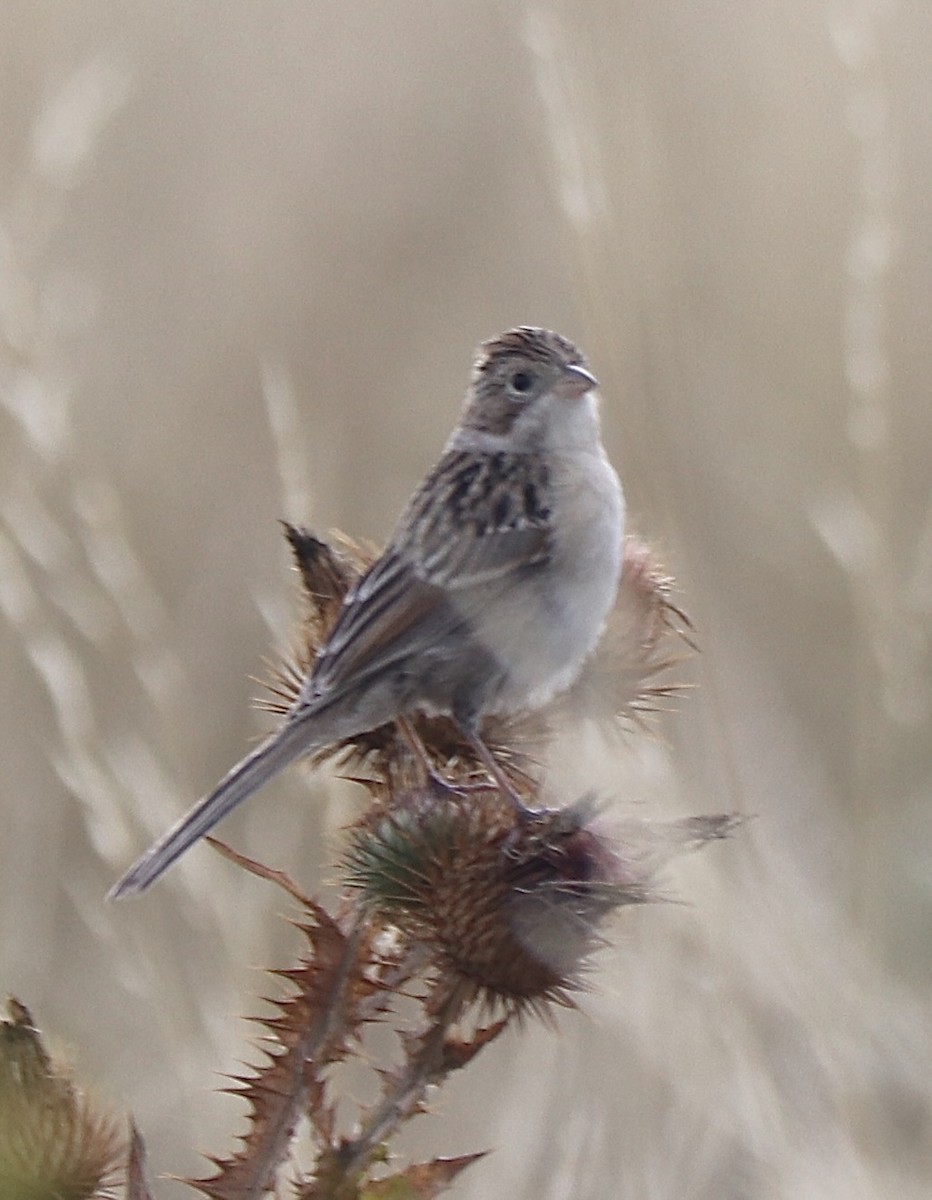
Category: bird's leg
[499,778]
[419,750]
[482,752]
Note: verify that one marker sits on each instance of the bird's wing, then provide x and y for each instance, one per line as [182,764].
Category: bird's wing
[480,518]
[391,615]
[474,523]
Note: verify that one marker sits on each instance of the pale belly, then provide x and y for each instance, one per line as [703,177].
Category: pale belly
[543,632]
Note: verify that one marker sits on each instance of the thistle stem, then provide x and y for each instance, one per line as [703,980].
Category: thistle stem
[402,1099]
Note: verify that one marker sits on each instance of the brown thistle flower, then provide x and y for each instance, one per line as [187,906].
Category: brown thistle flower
[647,637]
[53,1141]
[510,907]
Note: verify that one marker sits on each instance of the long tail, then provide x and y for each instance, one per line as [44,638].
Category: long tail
[276,752]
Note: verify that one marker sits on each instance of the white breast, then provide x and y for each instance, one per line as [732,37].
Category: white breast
[546,629]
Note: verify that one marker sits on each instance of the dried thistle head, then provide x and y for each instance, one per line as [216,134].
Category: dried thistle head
[53,1142]
[645,636]
[327,574]
[511,906]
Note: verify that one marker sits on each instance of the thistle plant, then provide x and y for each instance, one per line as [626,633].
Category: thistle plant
[459,915]
[453,904]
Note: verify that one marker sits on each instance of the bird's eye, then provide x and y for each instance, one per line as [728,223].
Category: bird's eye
[521,381]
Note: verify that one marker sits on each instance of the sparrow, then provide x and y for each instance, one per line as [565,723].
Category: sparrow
[490,595]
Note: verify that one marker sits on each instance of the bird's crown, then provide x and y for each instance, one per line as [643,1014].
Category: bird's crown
[530,342]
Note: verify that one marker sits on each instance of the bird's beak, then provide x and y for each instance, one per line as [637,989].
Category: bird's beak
[575,382]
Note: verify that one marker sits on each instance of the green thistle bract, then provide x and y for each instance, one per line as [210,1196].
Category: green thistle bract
[53,1144]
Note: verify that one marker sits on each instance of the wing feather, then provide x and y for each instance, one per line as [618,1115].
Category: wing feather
[474,523]
[479,518]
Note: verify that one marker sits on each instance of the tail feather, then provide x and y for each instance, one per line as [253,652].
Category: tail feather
[276,752]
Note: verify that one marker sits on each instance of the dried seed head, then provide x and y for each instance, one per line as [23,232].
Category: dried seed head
[510,905]
[646,636]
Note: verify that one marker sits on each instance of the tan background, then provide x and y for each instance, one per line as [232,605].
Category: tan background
[246,250]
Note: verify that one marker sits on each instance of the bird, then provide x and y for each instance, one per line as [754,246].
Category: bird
[490,594]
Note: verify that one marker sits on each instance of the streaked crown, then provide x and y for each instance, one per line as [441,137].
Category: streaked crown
[525,342]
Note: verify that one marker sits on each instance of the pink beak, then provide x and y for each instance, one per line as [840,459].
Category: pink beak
[576,382]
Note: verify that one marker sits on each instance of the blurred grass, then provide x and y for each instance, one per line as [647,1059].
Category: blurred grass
[246,253]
